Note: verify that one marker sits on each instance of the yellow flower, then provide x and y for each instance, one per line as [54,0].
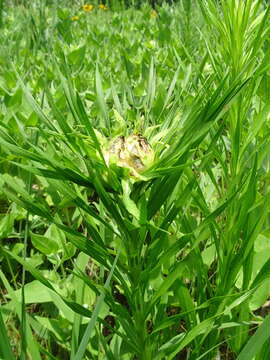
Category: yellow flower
[75,18]
[103,7]
[153,14]
[88,7]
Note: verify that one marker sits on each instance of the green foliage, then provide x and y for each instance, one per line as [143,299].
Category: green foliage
[97,263]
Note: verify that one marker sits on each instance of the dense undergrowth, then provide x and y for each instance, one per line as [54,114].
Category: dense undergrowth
[134,180]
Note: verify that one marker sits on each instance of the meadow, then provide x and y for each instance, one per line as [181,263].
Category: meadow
[135,180]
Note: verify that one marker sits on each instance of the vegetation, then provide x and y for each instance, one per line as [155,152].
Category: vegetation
[134,187]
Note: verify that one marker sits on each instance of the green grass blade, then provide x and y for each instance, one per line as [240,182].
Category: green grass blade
[256,342]
[5,347]
[87,334]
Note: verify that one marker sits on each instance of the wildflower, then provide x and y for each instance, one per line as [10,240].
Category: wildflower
[88,7]
[75,18]
[102,7]
[153,14]
[132,152]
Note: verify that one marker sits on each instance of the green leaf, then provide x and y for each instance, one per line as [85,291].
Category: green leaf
[44,244]
[256,342]
[5,347]
[84,342]
[101,101]
[76,57]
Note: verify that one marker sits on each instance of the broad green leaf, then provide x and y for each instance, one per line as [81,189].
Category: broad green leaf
[44,244]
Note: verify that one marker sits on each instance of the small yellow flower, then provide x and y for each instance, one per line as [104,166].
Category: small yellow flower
[88,7]
[102,7]
[75,18]
[153,14]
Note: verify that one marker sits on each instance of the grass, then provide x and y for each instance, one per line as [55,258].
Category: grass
[101,261]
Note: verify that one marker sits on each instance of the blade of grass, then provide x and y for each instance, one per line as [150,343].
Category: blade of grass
[5,347]
[256,342]
[87,334]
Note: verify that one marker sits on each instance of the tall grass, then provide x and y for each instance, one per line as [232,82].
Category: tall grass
[172,263]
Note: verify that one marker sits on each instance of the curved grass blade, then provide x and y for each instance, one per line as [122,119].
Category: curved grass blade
[87,334]
[256,342]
